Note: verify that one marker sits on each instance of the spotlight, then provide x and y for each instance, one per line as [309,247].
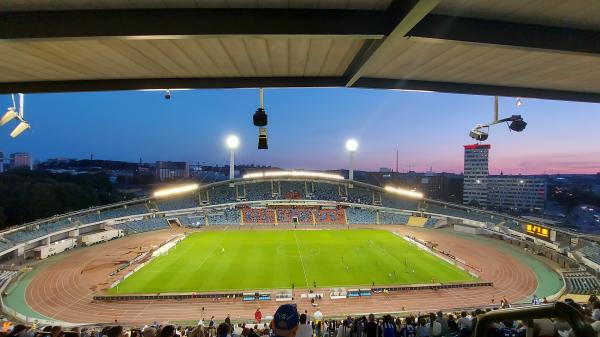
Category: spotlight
[517,123]
[479,135]
[167,94]
[12,113]
[20,128]
[262,138]
[351,145]
[519,102]
[8,116]
[232,142]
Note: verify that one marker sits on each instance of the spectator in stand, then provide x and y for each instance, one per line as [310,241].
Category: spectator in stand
[116,331]
[443,322]
[465,324]
[388,328]
[452,324]
[408,329]
[422,329]
[222,330]
[371,327]
[166,331]
[285,321]
[345,329]
[596,311]
[56,331]
[20,331]
[149,332]
[304,329]
[435,327]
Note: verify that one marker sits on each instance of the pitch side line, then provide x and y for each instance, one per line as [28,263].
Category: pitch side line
[301,261]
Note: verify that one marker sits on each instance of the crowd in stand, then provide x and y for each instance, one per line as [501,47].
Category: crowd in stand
[288,322]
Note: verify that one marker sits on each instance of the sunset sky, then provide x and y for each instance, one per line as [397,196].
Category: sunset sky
[308,129]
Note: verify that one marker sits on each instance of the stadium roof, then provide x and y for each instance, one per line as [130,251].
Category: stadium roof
[528,48]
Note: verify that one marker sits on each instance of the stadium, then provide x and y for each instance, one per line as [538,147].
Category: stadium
[316,239]
[207,259]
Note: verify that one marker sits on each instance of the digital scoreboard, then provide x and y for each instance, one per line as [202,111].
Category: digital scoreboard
[537,230]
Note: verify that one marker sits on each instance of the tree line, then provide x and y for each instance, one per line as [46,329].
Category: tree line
[30,195]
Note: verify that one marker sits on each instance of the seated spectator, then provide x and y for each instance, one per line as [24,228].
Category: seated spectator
[452,324]
[371,327]
[408,329]
[223,330]
[465,324]
[285,321]
[116,331]
[422,330]
[434,327]
[166,331]
[149,332]
[304,330]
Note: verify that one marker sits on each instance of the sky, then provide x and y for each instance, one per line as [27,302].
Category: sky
[308,129]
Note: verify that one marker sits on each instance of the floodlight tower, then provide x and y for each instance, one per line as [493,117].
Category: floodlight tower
[232,142]
[351,146]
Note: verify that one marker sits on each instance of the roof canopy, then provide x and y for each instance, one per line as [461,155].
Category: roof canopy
[529,48]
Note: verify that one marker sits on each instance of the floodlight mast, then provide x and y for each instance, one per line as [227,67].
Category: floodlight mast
[351,146]
[232,142]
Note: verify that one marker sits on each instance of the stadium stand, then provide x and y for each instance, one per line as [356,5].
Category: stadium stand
[581,282]
[360,195]
[259,191]
[6,275]
[222,195]
[193,220]
[229,216]
[592,252]
[392,202]
[361,216]
[392,218]
[330,216]
[430,223]
[258,216]
[294,215]
[123,212]
[34,232]
[5,244]
[189,201]
[325,191]
[144,225]
[292,189]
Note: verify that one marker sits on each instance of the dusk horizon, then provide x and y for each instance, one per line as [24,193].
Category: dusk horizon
[428,129]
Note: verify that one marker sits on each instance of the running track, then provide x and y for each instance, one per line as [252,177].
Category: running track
[64,290]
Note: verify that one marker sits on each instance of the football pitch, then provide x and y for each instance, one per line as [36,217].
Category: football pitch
[255,260]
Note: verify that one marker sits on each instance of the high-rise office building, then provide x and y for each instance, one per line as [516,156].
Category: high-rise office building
[475,174]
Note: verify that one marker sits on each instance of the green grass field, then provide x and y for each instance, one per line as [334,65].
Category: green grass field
[252,260]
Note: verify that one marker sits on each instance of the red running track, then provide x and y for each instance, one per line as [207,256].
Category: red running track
[64,290]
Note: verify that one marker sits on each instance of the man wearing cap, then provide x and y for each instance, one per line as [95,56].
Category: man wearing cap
[285,321]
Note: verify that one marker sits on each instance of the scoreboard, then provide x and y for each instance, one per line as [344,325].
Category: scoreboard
[538,231]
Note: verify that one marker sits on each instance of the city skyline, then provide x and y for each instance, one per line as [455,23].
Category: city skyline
[428,129]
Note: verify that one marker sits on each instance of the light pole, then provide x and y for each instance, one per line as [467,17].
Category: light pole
[232,142]
[351,146]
